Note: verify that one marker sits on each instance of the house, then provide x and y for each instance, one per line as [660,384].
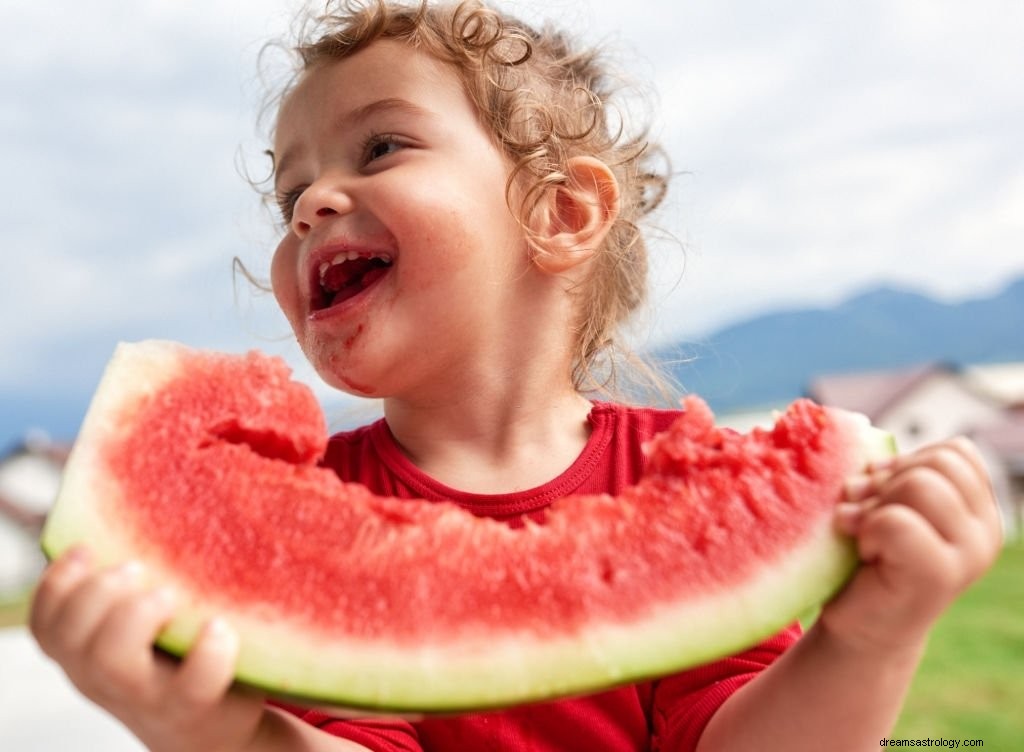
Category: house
[928,403]
[1003,382]
[30,474]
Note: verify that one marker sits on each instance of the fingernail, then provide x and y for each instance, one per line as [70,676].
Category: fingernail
[848,517]
[78,556]
[880,476]
[882,464]
[164,597]
[218,630]
[858,487]
[129,571]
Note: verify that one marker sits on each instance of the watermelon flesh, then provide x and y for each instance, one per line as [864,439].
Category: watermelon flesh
[204,467]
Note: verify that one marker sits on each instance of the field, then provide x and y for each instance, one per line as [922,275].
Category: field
[13,610]
[971,683]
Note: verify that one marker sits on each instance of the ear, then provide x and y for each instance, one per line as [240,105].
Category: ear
[576,216]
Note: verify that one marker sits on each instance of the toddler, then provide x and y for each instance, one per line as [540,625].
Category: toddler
[461,240]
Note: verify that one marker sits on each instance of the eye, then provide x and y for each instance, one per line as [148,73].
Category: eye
[380,145]
[286,203]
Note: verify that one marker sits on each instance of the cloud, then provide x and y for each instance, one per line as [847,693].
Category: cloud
[864,143]
[124,204]
[821,148]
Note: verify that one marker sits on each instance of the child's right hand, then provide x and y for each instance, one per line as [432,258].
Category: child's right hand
[100,624]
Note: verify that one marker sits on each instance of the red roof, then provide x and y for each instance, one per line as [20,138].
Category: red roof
[32,521]
[55,451]
[871,392]
[1005,437]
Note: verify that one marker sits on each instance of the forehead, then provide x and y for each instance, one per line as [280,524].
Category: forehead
[332,92]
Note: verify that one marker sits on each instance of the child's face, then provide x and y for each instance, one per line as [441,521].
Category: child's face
[381,156]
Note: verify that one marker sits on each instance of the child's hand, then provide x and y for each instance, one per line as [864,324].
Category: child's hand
[100,626]
[927,526]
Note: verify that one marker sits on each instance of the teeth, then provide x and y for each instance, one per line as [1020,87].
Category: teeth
[349,256]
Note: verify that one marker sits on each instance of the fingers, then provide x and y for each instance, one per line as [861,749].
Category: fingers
[209,668]
[898,539]
[926,526]
[934,493]
[76,620]
[949,476]
[57,582]
[100,624]
[958,462]
[948,492]
[121,647]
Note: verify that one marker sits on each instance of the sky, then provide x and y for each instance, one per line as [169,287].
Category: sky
[820,149]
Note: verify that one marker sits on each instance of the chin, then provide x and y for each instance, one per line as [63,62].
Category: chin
[345,378]
[355,388]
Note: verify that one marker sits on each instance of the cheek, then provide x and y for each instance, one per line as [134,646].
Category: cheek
[461,223]
[284,279]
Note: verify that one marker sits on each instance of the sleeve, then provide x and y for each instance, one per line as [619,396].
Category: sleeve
[684,703]
[377,734]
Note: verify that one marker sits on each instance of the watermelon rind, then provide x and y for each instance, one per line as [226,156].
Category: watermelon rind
[283,657]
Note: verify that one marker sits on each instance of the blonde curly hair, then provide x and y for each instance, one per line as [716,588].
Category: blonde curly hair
[544,102]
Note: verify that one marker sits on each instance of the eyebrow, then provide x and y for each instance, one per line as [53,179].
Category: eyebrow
[354,118]
[382,106]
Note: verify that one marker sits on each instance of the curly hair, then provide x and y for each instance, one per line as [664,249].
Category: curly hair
[544,102]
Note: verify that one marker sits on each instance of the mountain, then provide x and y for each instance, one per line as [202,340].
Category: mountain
[770,359]
[767,360]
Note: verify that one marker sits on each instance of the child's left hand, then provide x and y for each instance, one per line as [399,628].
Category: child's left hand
[926,526]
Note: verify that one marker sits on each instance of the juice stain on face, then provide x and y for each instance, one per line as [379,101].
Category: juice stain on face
[356,387]
[348,344]
[351,339]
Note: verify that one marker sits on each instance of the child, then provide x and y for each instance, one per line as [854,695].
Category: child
[461,241]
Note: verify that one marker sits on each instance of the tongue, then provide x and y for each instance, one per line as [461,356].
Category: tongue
[340,275]
[373,275]
[346,280]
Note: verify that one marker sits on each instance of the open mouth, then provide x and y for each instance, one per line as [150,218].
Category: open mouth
[346,275]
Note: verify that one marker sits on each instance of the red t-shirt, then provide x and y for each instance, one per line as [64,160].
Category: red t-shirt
[667,714]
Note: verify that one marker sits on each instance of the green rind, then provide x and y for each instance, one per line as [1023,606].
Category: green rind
[651,650]
[647,666]
[134,370]
[447,679]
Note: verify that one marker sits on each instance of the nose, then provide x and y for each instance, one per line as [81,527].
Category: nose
[317,203]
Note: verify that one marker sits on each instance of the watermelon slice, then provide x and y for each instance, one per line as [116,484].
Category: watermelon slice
[204,467]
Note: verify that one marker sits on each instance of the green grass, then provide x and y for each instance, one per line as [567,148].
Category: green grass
[14,609]
[971,682]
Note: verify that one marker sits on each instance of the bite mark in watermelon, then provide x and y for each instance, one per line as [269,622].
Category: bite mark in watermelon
[204,466]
